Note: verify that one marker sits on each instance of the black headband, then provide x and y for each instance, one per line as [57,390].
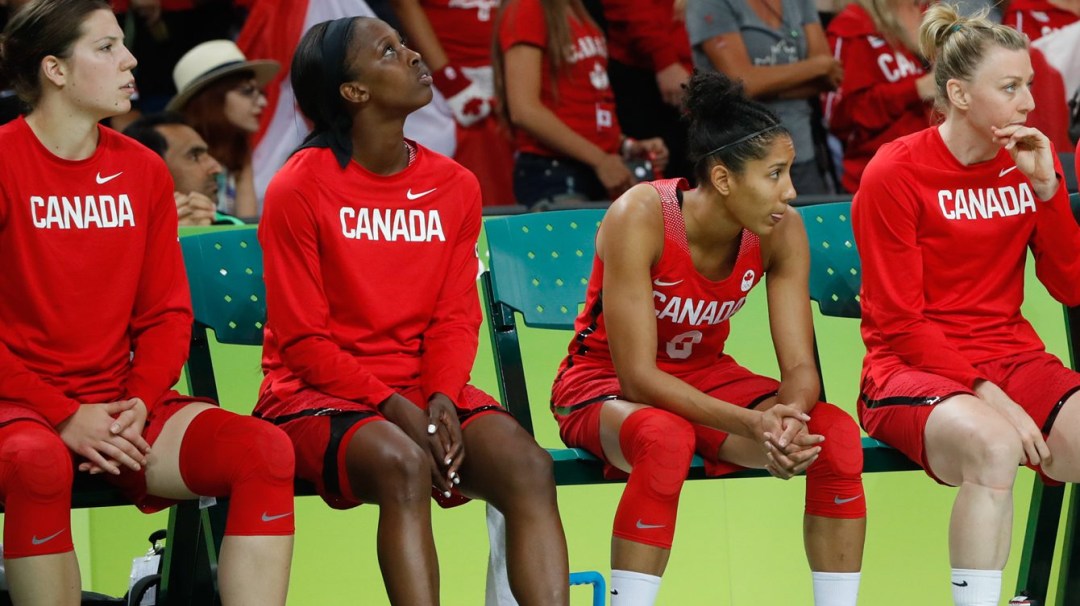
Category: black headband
[742,139]
[334,47]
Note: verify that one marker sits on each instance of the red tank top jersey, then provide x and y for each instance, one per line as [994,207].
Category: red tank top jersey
[370,279]
[1037,18]
[943,249]
[464,28]
[581,96]
[692,312]
[94,303]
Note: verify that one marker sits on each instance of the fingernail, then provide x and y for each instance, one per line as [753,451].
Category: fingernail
[431,429]
[446,494]
[115,428]
[449,461]
[457,479]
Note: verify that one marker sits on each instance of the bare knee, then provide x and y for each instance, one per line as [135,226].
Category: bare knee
[402,473]
[991,458]
[528,469]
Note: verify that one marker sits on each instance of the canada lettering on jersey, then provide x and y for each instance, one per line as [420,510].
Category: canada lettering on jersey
[586,47]
[391,224]
[694,312]
[896,66]
[81,212]
[1008,201]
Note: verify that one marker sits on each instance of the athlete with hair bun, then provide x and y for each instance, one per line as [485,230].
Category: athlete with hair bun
[646,384]
[954,376]
[369,242]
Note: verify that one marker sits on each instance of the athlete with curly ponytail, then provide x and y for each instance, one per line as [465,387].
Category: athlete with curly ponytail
[647,384]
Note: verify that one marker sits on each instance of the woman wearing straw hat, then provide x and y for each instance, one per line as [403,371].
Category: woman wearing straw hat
[220,94]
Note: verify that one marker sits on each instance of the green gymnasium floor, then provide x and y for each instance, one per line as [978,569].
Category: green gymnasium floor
[738,542]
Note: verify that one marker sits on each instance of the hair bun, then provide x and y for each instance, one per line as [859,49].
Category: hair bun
[710,92]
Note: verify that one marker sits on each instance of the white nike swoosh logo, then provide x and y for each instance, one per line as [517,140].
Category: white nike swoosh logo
[644,526]
[103,180]
[658,282]
[1006,171]
[37,541]
[270,518]
[413,196]
[840,501]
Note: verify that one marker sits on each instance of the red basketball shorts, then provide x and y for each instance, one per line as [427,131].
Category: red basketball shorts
[320,439]
[896,411]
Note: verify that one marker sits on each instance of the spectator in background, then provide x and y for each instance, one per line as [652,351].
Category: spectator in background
[559,101]
[778,49]
[194,171]
[455,41]
[649,65]
[10,105]
[159,32]
[221,97]
[1037,18]
[272,31]
[886,93]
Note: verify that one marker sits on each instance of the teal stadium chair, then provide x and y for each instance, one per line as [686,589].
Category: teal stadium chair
[224,268]
[539,268]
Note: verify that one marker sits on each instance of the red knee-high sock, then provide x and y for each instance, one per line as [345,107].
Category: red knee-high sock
[246,459]
[834,482]
[658,445]
[35,486]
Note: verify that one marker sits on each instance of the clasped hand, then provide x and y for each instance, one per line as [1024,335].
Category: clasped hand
[789,445]
[438,432]
[108,435]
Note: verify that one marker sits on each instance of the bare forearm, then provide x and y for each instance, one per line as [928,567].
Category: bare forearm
[799,387]
[780,80]
[662,390]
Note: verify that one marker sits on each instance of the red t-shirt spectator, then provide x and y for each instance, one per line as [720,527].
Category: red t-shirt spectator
[580,96]
[1037,18]
[464,29]
[645,34]
[878,100]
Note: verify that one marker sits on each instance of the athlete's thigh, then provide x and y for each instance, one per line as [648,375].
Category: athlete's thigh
[1064,442]
[612,415]
[744,451]
[375,450]
[957,430]
[163,477]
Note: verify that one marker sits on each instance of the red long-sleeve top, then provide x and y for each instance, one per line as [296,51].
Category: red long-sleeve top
[94,303]
[370,280]
[878,100]
[943,250]
[645,34]
[1037,18]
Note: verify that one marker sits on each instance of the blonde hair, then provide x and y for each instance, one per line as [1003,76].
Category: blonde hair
[956,44]
[883,15]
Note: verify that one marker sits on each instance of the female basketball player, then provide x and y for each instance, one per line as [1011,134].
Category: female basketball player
[646,384]
[370,250]
[95,317]
[954,376]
